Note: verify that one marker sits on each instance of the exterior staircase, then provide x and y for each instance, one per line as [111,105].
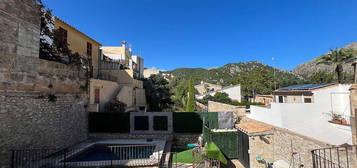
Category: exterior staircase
[335,157]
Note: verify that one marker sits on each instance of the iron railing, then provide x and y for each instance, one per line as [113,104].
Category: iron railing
[108,155]
[335,157]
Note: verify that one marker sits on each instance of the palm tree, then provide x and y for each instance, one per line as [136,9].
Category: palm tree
[337,58]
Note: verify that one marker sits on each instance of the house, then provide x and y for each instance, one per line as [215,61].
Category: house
[263,144]
[79,42]
[150,71]
[121,57]
[119,77]
[320,111]
[204,89]
[116,71]
[120,54]
[137,64]
[264,99]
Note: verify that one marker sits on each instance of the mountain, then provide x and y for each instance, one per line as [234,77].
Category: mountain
[226,74]
[310,67]
[254,77]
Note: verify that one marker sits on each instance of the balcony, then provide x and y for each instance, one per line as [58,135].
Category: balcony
[104,65]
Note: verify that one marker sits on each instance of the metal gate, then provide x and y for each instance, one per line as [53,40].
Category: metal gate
[232,144]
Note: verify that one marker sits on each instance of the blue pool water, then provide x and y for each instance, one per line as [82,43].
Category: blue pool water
[100,152]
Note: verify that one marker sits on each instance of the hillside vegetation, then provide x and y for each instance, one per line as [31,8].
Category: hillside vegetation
[254,77]
[309,68]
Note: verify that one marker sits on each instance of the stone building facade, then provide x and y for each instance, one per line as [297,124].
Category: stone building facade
[29,117]
[20,66]
[277,145]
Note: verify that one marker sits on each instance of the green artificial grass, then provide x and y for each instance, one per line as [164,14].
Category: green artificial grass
[182,156]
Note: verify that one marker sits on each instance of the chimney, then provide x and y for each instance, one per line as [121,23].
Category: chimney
[123,43]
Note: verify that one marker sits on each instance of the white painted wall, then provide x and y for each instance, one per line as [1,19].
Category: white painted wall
[311,119]
[233,92]
[140,64]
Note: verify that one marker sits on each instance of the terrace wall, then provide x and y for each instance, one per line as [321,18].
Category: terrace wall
[279,145]
[239,111]
[29,120]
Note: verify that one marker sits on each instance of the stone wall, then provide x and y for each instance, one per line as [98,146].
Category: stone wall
[29,120]
[239,111]
[353,118]
[20,66]
[279,145]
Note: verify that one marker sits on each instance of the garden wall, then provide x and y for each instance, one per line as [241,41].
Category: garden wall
[180,122]
[29,120]
[279,145]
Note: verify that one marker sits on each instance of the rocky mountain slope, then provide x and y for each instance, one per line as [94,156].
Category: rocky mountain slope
[310,67]
[231,73]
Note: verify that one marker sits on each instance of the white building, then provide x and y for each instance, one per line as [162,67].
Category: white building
[137,63]
[308,109]
[150,71]
[233,92]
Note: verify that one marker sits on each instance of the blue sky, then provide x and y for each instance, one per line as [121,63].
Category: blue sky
[210,33]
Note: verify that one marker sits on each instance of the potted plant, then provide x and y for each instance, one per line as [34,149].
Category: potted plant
[336,118]
[344,121]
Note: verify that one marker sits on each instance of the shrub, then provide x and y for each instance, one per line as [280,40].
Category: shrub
[115,106]
[51,97]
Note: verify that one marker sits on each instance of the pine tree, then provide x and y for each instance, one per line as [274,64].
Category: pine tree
[191,102]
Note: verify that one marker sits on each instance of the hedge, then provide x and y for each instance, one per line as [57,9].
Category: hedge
[160,123]
[183,122]
[191,122]
[109,122]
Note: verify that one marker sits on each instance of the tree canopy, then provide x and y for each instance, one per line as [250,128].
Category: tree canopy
[158,93]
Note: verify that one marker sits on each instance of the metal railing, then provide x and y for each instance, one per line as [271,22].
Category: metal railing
[335,157]
[98,155]
[104,65]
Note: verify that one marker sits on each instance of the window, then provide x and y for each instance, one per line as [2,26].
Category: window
[61,40]
[281,99]
[96,96]
[89,49]
[307,100]
[63,35]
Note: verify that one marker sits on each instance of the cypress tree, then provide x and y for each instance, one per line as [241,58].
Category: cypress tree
[191,102]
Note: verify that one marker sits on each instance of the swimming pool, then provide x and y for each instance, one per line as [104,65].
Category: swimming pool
[113,152]
[128,152]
